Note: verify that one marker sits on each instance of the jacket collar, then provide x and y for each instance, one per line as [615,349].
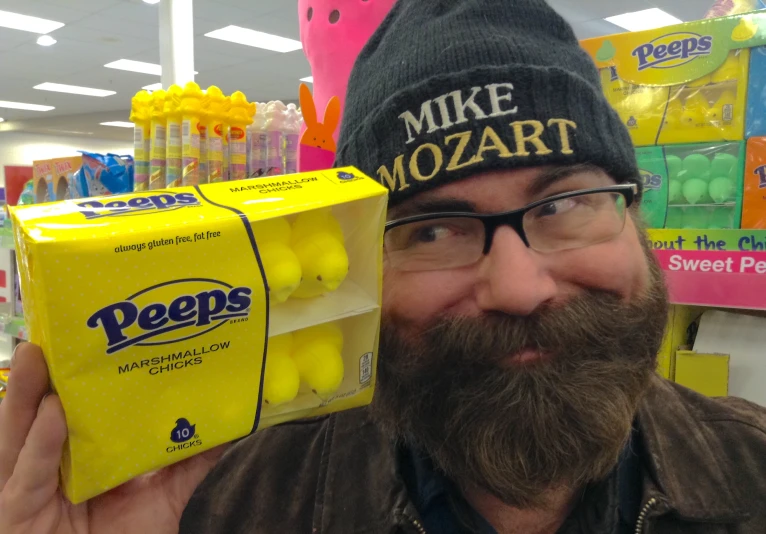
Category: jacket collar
[687,467]
[686,459]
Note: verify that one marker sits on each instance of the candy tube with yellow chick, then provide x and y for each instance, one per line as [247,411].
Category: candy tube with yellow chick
[158,146]
[240,117]
[140,116]
[214,102]
[173,146]
[191,105]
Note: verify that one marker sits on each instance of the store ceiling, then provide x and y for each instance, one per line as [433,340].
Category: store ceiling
[97,32]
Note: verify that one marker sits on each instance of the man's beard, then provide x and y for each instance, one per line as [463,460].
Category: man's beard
[519,430]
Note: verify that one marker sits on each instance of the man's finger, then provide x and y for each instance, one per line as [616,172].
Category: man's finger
[36,475]
[27,386]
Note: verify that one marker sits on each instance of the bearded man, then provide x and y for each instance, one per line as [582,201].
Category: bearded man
[522,314]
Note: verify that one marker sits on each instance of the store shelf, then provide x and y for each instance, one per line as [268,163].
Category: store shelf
[6,235]
[719,268]
[14,327]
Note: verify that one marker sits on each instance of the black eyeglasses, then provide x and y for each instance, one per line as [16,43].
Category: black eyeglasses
[561,222]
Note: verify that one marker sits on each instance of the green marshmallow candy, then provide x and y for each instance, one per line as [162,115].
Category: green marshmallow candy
[722,164]
[721,189]
[675,191]
[698,166]
[694,190]
[675,165]
[721,218]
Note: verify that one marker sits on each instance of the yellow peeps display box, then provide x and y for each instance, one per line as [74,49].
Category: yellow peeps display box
[176,320]
[680,84]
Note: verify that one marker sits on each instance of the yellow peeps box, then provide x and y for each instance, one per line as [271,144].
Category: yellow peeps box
[704,373]
[680,84]
[176,320]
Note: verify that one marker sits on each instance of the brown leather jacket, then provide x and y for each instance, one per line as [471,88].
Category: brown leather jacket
[705,472]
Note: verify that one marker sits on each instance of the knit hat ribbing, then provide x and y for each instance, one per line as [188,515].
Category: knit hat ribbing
[447,89]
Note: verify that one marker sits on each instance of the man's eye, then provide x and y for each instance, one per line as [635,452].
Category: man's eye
[557,207]
[429,234]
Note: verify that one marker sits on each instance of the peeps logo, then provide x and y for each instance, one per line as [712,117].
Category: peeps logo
[650,180]
[156,202]
[182,434]
[760,172]
[236,133]
[170,312]
[672,50]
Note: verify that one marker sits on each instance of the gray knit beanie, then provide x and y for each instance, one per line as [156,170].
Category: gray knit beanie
[447,89]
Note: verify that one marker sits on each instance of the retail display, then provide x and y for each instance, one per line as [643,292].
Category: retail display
[681,84]
[140,116]
[190,290]
[187,136]
[191,114]
[754,202]
[82,176]
[317,144]
[692,186]
[704,373]
[755,125]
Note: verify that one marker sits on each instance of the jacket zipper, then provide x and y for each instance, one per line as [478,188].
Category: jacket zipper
[651,503]
[418,526]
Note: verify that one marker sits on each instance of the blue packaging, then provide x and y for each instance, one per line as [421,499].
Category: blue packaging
[108,174]
[755,121]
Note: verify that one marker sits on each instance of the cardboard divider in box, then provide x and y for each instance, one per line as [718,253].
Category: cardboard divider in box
[685,83]
[181,319]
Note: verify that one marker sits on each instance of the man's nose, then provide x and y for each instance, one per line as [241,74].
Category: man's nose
[513,279]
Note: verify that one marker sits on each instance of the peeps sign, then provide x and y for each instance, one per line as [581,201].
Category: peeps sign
[676,54]
[672,50]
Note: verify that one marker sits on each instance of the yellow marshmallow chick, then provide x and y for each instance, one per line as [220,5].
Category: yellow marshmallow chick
[317,352]
[317,241]
[717,111]
[695,110]
[673,114]
[281,380]
[283,270]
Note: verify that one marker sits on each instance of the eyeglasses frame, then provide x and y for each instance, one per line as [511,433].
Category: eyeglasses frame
[515,218]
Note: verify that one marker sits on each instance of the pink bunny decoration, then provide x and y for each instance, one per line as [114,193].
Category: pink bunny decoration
[333,33]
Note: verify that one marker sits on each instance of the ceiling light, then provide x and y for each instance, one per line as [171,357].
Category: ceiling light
[151,1]
[135,66]
[2,119]
[246,36]
[308,79]
[118,124]
[46,40]
[73,89]
[29,107]
[647,19]
[153,86]
[26,23]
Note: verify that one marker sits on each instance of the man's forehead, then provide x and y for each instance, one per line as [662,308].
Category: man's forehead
[503,189]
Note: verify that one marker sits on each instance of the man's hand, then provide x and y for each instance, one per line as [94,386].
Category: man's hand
[32,435]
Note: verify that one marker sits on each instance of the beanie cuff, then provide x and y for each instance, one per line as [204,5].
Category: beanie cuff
[487,118]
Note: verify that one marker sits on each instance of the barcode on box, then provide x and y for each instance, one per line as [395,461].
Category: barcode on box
[365,368]
[159,135]
[186,130]
[728,113]
[138,136]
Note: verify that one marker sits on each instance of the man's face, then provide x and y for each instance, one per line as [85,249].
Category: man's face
[520,372]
